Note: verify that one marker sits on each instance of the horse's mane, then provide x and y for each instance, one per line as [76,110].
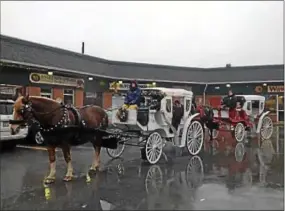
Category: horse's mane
[43,98]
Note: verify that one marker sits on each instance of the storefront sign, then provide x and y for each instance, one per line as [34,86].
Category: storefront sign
[126,86]
[56,80]
[7,90]
[91,94]
[275,89]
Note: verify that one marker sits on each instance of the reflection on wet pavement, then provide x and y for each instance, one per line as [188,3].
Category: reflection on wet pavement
[228,175]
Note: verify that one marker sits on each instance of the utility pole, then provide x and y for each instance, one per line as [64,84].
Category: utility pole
[83,48]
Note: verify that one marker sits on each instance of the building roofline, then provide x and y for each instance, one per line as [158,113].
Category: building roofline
[111,63]
[92,74]
[128,79]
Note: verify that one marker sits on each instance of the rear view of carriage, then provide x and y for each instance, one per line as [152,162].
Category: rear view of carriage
[154,123]
[245,115]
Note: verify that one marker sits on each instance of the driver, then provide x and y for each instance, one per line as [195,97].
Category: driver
[132,99]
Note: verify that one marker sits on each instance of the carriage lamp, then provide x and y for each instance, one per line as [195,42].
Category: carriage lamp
[90,78]
[228,85]
[265,84]
[50,73]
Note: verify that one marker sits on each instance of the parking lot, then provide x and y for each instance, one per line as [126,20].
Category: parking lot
[223,177]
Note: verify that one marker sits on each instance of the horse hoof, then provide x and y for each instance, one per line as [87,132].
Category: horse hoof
[48,181]
[67,178]
[94,170]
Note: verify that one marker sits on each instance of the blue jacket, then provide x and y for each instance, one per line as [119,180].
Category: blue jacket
[133,97]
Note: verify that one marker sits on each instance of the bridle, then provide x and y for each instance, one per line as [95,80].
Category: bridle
[30,116]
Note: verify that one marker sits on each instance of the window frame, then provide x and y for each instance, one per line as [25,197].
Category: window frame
[69,94]
[44,94]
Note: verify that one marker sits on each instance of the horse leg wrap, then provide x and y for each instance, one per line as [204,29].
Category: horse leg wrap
[69,174]
[51,177]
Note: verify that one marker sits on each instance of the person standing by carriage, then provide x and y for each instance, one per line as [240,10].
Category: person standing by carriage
[232,103]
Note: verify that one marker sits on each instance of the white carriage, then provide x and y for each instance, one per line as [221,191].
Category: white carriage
[249,115]
[151,123]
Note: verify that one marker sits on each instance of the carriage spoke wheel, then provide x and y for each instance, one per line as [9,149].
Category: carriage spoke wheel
[239,152]
[195,172]
[153,148]
[239,132]
[266,129]
[153,180]
[195,137]
[115,153]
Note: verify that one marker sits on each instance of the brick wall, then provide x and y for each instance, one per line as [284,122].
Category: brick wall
[79,97]
[33,91]
[107,100]
[57,93]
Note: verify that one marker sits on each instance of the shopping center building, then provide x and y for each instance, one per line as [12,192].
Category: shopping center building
[35,69]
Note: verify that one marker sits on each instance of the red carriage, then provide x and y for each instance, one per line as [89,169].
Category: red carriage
[247,114]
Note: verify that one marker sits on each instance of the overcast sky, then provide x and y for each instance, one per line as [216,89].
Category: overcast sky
[187,33]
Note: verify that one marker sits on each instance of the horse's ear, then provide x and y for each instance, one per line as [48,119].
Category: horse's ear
[25,99]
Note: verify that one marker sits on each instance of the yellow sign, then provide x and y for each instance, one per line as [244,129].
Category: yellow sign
[275,89]
[56,80]
[125,86]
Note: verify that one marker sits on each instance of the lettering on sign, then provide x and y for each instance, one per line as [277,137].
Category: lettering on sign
[126,86]
[7,90]
[275,89]
[56,80]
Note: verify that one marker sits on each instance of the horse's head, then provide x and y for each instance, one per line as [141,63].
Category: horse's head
[29,109]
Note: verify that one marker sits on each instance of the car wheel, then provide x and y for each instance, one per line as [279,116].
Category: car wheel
[39,139]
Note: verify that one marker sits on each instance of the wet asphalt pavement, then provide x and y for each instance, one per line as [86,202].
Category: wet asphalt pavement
[227,175]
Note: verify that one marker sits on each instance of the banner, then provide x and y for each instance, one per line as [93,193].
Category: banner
[56,80]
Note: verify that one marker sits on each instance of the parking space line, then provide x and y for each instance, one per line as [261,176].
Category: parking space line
[34,147]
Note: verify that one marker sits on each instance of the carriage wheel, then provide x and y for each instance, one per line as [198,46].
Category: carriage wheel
[239,132]
[239,152]
[153,148]
[266,128]
[195,137]
[153,180]
[115,153]
[215,133]
[195,172]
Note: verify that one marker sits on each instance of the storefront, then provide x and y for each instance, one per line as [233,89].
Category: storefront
[69,90]
[17,81]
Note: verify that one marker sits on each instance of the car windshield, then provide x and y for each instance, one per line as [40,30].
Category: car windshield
[6,108]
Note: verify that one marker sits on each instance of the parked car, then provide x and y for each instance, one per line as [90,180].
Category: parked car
[7,140]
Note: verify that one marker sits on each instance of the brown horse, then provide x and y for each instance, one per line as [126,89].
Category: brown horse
[63,126]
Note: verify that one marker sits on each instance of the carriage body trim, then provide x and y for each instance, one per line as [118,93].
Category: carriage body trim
[185,127]
[260,121]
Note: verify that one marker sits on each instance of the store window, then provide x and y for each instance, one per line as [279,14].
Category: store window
[68,95]
[270,103]
[46,93]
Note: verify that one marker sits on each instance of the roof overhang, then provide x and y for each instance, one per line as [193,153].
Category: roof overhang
[128,79]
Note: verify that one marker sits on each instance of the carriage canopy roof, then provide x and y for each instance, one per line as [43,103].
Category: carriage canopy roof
[172,91]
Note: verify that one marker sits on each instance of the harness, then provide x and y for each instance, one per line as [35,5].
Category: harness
[63,122]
